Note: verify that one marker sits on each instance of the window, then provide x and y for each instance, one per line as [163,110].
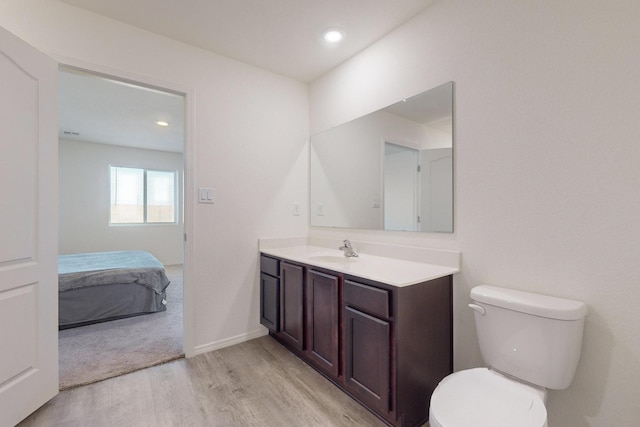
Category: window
[141,196]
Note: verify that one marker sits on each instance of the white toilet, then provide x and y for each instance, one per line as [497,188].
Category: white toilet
[530,342]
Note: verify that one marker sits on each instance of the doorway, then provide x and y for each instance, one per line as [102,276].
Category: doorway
[106,123]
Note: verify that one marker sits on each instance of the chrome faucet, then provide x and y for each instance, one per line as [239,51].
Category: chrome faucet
[347,249]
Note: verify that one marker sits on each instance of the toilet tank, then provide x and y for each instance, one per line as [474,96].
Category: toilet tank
[536,338]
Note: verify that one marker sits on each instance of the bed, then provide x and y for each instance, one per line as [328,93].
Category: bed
[102,286]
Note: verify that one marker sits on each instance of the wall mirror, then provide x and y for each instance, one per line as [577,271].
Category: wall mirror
[389,170]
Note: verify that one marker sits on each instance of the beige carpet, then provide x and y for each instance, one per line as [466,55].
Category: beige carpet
[104,350]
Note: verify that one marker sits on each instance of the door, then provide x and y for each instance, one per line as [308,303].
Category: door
[270,302]
[367,350]
[437,182]
[28,229]
[291,304]
[401,187]
[322,321]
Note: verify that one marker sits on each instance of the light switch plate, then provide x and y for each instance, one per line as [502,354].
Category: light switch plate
[296,209]
[205,195]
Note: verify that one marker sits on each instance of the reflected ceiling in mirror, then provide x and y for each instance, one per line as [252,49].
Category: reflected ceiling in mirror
[389,170]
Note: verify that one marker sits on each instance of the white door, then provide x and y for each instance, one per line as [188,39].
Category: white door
[28,229]
[400,188]
[437,180]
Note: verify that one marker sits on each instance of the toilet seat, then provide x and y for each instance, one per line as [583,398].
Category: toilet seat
[483,398]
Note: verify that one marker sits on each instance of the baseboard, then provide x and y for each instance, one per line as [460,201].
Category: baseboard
[205,348]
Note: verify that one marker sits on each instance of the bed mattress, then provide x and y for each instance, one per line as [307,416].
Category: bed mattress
[102,286]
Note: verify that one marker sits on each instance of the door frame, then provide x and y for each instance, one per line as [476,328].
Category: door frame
[188,340]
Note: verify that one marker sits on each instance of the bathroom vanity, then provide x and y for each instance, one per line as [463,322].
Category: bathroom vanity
[379,328]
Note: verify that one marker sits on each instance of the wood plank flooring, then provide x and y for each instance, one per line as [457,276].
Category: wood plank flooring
[256,383]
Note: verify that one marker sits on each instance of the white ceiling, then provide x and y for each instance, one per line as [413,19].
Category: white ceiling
[283,36]
[96,109]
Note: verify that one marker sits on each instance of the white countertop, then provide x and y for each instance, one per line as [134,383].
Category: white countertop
[389,270]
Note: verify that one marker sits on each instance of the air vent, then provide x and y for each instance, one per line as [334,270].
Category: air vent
[66,132]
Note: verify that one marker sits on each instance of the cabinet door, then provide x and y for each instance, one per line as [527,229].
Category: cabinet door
[270,302]
[367,359]
[292,304]
[322,321]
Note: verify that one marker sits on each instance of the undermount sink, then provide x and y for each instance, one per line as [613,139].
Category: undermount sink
[332,258]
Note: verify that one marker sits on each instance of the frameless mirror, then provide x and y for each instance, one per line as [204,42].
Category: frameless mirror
[389,170]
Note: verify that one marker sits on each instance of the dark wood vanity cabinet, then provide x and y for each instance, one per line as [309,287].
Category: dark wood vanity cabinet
[322,321]
[398,345]
[386,346]
[292,304]
[367,341]
[270,293]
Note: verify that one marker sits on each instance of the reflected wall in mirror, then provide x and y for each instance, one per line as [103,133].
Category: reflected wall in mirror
[389,170]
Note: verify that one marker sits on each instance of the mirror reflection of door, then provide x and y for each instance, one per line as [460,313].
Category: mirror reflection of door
[401,188]
[436,205]
[346,168]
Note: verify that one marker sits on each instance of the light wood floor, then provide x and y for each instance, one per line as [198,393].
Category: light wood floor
[256,383]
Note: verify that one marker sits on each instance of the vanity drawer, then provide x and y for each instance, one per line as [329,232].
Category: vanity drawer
[271,266]
[373,301]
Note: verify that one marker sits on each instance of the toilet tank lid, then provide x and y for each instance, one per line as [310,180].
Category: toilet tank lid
[530,303]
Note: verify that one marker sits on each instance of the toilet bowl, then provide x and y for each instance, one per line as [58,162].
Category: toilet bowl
[531,342]
[481,397]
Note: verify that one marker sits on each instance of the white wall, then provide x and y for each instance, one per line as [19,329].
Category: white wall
[250,129]
[547,167]
[84,202]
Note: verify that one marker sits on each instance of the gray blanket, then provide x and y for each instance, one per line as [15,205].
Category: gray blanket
[106,268]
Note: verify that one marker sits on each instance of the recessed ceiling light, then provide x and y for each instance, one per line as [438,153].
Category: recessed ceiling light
[162,123]
[333,35]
